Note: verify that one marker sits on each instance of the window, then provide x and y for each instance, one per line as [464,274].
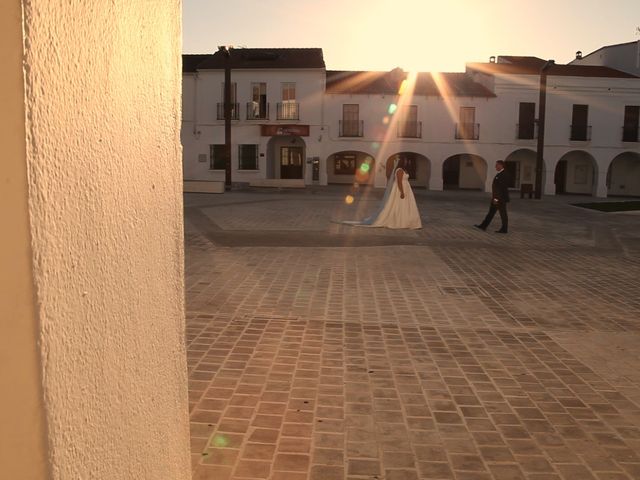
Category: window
[350,125]
[579,123]
[216,157]
[467,128]
[344,164]
[526,121]
[408,124]
[248,157]
[631,123]
[234,105]
[258,100]
[288,109]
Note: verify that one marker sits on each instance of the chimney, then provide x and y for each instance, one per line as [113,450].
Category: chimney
[492,59]
[578,55]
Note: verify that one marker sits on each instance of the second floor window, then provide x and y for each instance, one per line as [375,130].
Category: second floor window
[408,121]
[467,128]
[234,105]
[526,121]
[580,123]
[631,123]
[258,100]
[288,109]
[350,120]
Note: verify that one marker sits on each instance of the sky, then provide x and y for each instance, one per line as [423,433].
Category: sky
[416,35]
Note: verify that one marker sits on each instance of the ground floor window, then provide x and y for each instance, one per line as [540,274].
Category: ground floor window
[248,157]
[216,157]
[344,164]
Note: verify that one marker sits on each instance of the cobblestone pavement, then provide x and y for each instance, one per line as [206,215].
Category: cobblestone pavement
[321,351]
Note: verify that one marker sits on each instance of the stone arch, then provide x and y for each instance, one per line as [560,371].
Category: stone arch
[464,171]
[521,166]
[623,175]
[576,173]
[417,165]
[351,166]
[286,157]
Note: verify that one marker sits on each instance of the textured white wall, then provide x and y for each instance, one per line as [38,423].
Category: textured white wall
[103,153]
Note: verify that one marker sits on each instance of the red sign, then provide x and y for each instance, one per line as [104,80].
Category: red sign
[284,130]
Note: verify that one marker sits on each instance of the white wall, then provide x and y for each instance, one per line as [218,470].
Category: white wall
[103,155]
[625,57]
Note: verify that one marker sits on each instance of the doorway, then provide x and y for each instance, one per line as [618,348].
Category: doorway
[290,162]
[560,178]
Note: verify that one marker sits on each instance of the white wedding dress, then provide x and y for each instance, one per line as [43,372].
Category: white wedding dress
[399,212]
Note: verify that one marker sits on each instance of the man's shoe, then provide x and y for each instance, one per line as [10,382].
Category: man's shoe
[501,231]
[480,227]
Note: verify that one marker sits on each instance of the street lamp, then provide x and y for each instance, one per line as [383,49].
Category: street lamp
[541,117]
[227,115]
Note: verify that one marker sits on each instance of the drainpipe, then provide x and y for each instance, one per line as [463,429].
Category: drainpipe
[195,105]
[541,118]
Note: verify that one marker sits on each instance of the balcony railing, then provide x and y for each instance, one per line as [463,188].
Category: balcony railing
[467,131]
[410,129]
[526,131]
[351,128]
[630,134]
[235,111]
[255,111]
[580,133]
[288,111]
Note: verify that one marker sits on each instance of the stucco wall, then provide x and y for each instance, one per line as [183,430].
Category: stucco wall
[103,154]
[22,428]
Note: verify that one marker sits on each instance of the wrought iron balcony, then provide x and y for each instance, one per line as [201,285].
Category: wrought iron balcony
[526,131]
[409,129]
[630,134]
[467,131]
[256,111]
[580,133]
[351,128]
[288,111]
[235,111]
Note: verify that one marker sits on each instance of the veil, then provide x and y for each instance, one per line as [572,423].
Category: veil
[372,218]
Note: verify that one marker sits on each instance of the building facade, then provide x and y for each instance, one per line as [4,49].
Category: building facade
[294,123]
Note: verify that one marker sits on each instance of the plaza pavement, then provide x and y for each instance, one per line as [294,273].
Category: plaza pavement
[321,351]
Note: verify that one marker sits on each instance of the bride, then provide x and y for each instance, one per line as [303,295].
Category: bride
[398,208]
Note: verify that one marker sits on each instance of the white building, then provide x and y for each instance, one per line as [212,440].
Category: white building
[297,124]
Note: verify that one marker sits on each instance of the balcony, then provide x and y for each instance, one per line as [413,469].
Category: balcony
[467,131]
[580,133]
[526,131]
[409,129]
[257,111]
[351,128]
[235,111]
[630,134]
[288,111]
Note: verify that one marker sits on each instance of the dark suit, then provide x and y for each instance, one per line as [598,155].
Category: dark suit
[499,200]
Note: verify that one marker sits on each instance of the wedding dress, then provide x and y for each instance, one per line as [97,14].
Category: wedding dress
[399,212]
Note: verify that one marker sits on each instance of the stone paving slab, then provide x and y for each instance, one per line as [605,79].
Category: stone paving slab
[449,354]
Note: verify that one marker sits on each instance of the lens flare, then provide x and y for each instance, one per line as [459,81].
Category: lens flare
[365,167]
[220,441]
[375,145]
[348,199]
[385,120]
[392,108]
[403,87]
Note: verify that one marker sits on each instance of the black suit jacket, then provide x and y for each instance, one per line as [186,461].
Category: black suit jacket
[500,187]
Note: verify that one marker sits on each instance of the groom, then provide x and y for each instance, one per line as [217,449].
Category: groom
[499,199]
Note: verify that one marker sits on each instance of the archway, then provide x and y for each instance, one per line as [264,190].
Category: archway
[464,171]
[418,166]
[521,166]
[575,173]
[285,157]
[351,166]
[623,176]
